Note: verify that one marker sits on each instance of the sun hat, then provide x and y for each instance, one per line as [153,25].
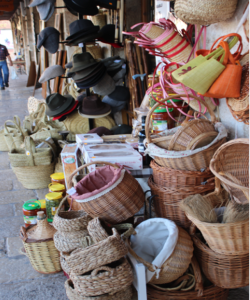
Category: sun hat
[57,104]
[82,61]
[51,72]
[109,4]
[92,106]
[115,105]
[87,73]
[69,110]
[121,93]
[49,39]
[101,131]
[84,7]
[91,82]
[80,28]
[105,86]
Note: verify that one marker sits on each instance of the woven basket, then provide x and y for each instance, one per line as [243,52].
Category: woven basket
[43,255]
[125,294]
[232,159]
[83,260]
[33,104]
[167,177]
[189,162]
[70,221]
[188,132]
[176,264]
[226,271]
[72,240]
[36,177]
[199,13]
[64,264]
[167,200]
[45,133]
[119,203]
[229,238]
[209,293]
[105,279]
[99,231]
[239,107]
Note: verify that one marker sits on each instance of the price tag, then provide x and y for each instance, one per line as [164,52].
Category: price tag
[71,191]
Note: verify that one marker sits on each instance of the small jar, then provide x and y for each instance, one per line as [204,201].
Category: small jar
[162,120]
[57,187]
[52,202]
[57,178]
[30,210]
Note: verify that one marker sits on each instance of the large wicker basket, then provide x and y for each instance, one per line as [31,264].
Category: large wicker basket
[228,238]
[167,200]
[198,161]
[176,264]
[120,202]
[230,164]
[43,255]
[226,271]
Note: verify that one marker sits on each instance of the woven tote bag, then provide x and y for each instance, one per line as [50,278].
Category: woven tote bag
[14,135]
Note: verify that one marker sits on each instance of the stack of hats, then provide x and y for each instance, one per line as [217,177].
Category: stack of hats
[118,99]
[59,107]
[92,107]
[45,8]
[82,31]
[86,71]
[49,39]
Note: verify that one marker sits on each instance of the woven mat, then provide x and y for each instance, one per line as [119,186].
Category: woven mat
[238,294]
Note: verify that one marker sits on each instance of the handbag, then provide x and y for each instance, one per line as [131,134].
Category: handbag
[229,82]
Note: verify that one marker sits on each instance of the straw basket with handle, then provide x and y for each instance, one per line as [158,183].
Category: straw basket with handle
[14,136]
[223,238]
[189,160]
[116,204]
[230,164]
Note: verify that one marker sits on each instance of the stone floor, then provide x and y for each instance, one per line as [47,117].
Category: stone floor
[18,280]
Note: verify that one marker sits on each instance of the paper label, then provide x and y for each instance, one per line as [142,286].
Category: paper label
[53,210]
[30,220]
[160,125]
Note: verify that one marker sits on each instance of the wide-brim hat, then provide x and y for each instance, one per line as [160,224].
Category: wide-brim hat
[89,10]
[80,28]
[105,86]
[49,39]
[82,61]
[84,39]
[115,105]
[68,111]
[121,93]
[87,73]
[51,72]
[93,107]
[91,83]
[57,104]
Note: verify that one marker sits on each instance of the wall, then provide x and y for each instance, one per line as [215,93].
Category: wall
[213,32]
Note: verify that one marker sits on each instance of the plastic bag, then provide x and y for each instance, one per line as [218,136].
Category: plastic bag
[13,73]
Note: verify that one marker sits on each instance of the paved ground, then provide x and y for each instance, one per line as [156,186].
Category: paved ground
[18,280]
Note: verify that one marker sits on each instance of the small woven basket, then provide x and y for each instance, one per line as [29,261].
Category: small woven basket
[125,294]
[64,264]
[167,200]
[105,279]
[118,203]
[230,164]
[199,13]
[167,177]
[176,264]
[228,238]
[111,249]
[43,255]
[69,221]
[33,104]
[72,240]
[225,271]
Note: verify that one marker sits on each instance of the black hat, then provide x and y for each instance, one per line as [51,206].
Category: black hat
[109,4]
[113,64]
[107,35]
[82,61]
[84,39]
[91,82]
[49,39]
[121,93]
[89,72]
[84,7]
[80,28]
[57,104]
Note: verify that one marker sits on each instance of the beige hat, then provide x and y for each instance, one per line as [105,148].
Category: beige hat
[51,72]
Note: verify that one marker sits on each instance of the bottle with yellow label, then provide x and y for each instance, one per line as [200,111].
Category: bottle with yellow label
[52,202]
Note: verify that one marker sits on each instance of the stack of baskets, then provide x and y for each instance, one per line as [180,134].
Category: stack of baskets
[99,270]
[181,166]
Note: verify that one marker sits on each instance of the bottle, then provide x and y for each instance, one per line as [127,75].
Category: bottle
[141,147]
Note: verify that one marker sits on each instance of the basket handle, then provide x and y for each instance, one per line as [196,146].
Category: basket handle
[70,184]
[245,190]
[127,226]
[22,251]
[198,276]
[213,117]
[103,268]
[60,205]
[190,112]
[151,267]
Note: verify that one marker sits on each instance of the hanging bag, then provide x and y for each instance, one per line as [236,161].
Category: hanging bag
[228,83]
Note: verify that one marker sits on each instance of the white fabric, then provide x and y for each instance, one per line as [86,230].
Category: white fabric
[155,241]
[154,150]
